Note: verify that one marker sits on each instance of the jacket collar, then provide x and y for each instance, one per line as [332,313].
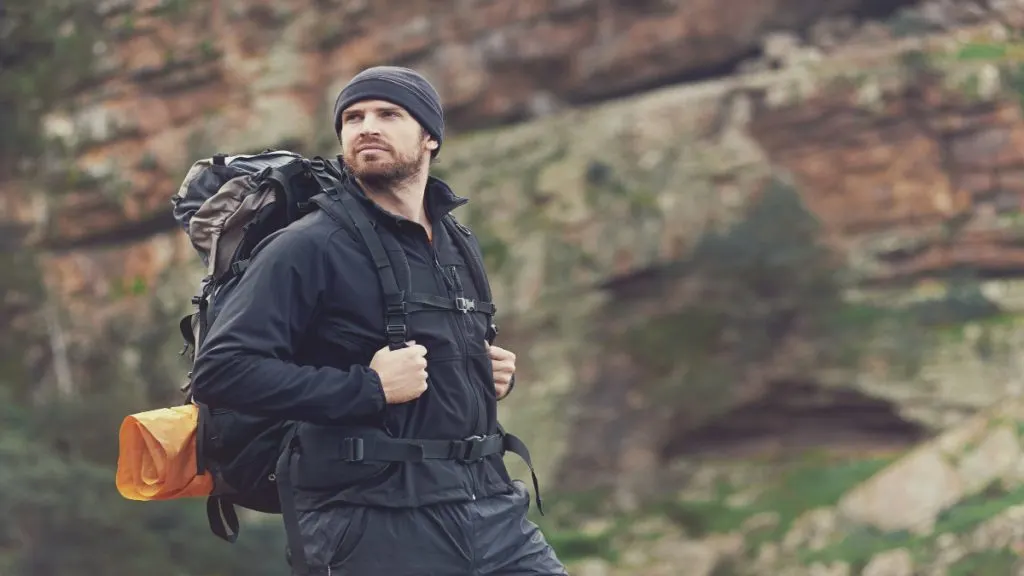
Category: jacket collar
[439,199]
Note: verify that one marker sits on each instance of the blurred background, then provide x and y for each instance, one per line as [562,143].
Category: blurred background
[762,262]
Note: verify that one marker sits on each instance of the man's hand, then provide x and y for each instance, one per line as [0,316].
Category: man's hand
[503,363]
[403,372]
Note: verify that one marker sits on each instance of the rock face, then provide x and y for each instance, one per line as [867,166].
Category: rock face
[935,510]
[177,80]
[823,250]
[894,161]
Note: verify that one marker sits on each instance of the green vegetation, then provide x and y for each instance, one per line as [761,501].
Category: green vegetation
[63,515]
[764,282]
[995,562]
[859,546]
[581,526]
[814,482]
[1015,81]
[47,57]
[60,512]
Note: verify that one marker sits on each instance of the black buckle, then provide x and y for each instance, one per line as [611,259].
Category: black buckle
[352,449]
[396,330]
[469,449]
[466,305]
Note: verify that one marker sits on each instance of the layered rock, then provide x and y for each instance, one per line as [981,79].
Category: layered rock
[177,80]
[952,505]
[908,161]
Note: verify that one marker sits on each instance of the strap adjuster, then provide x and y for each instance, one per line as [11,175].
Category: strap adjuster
[469,449]
[465,305]
[352,450]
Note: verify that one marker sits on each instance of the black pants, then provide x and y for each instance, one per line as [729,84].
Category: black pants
[489,537]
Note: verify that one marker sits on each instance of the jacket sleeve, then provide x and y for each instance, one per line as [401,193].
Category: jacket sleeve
[247,362]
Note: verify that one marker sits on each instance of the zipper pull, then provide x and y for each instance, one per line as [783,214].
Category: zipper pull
[456,279]
[447,280]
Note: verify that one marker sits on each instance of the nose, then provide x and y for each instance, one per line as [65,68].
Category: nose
[369,125]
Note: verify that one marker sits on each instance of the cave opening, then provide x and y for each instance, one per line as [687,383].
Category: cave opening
[794,417]
[880,10]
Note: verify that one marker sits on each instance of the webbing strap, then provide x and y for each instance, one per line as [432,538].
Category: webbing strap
[515,445]
[223,518]
[460,235]
[418,301]
[396,329]
[359,449]
[472,449]
[287,467]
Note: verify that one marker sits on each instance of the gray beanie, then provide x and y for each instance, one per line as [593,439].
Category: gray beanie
[400,86]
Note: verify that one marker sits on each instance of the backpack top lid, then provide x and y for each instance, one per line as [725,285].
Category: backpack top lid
[222,196]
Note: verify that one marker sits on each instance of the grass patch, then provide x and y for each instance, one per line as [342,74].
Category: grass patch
[573,546]
[858,547]
[812,482]
[815,481]
[564,520]
[994,562]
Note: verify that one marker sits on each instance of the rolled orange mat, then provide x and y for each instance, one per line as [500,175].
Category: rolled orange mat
[157,455]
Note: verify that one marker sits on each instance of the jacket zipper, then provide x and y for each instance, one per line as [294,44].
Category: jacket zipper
[467,324]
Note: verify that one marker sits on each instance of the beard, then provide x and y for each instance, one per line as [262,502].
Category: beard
[386,170]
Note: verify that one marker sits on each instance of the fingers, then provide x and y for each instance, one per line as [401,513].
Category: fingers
[503,367]
[501,390]
[499,353]
[414,349]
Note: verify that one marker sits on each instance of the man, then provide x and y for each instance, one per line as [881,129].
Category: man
[300,338]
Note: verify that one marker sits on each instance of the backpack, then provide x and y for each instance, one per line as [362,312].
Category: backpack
[228,206]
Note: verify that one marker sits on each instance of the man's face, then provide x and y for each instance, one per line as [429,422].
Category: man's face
[382,143]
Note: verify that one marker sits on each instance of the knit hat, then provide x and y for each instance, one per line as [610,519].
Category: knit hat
[400,86]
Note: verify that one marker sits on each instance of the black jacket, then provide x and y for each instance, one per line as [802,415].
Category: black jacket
[294,338]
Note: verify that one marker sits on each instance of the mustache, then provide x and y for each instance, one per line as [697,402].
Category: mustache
[371,143]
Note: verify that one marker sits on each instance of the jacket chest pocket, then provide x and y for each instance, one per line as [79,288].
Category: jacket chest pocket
[349,342]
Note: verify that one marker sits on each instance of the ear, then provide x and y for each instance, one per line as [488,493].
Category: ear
[432,144]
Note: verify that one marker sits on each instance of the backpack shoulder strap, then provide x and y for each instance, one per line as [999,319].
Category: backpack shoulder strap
[344,209]
[463,238]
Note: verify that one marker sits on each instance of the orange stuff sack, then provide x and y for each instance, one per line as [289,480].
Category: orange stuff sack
[157,457]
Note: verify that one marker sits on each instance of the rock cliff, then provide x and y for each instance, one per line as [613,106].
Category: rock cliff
[789,226]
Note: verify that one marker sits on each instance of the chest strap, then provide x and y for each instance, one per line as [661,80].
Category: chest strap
[417,301]
[398,303]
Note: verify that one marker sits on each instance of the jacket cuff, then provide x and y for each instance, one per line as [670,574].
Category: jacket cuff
[380,401]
